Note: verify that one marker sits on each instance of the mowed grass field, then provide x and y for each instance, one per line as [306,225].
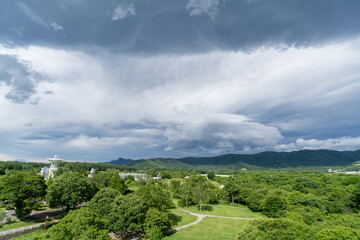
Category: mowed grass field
[226,210]
[210,228]
[184,218]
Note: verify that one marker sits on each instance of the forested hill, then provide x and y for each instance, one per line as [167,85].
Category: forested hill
[304,159]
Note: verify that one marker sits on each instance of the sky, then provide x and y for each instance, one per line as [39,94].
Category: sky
[93,80]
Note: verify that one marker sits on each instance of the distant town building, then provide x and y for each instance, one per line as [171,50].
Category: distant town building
[138,176]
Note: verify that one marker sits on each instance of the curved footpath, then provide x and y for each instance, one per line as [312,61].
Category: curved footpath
[201,217]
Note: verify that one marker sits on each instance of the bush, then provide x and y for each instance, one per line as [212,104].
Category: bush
[205,207]
[155,234]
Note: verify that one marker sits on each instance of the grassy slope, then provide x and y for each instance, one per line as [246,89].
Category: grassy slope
[305,159]
[226,211]
[184,217]
[210,228]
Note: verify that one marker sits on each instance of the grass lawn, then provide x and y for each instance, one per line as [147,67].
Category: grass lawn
[226,210]
[182,218]
[37,233]
[18,224]
[210,228]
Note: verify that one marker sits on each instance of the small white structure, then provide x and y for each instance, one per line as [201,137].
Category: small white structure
[44,172]
[157,176]
[92,172]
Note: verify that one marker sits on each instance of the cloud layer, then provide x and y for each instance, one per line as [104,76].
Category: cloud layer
[96,80]
[106,104]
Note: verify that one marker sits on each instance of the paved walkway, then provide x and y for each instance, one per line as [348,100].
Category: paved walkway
[200,217]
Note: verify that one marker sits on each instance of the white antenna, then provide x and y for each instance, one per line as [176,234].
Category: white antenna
[53,166]
[55,158]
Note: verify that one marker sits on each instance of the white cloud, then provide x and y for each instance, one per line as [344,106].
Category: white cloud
[341,144]
[210,102]
[91,143]
[56,26]
[32,15]
[200,7]
[122,11]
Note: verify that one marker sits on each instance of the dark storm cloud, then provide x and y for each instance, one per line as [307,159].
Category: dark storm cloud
[178,26]
[19,78]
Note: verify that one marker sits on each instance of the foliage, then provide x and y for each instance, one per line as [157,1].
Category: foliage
[100,204]
[232,188]
[273,205]
[273,229]
[155,197]
[155,234]
[118,184]
[165,175]
[2,215]
[156,219]
[338,233]
[22,192]
[69,190]
[79,224]
[197,190]
[210,175]
[303,183]
[101,179]
[128,215]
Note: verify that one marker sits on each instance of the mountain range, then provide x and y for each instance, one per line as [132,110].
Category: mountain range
[304,159]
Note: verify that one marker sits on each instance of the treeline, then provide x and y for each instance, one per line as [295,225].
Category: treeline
[18,166]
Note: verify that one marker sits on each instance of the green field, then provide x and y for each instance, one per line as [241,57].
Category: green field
[17,224]
[225,210]
[37,233]
[210,228]
[183,218]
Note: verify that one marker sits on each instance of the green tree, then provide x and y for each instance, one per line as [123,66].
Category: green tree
[156,219]
[69,190]
[118,184]
[338,233]
[79,224]
[151,173]
[274,229]
[186,192]
[101,179]
[22,192]
[165,175]
[201,194]
[303,183]
[127,216]
[271,205]
[100,204]
[232,188]
[155,197]
[210,175]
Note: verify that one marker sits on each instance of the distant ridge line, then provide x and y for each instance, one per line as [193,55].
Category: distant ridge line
[258,161]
